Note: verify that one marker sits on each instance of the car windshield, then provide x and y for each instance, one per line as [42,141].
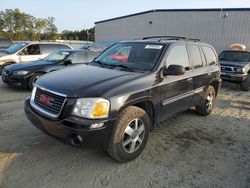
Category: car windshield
[57,56]
[131,56]
[237,56]
[15,47]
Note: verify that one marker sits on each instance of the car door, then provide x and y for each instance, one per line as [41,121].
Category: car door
[30,53]
[176,92]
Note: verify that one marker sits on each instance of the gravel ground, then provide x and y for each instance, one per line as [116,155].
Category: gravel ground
[185,151]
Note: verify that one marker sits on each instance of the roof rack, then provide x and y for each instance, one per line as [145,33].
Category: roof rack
[170,38]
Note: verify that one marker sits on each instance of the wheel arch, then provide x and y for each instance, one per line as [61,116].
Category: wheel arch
[147,105]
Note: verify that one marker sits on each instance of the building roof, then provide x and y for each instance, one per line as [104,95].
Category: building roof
[176,10]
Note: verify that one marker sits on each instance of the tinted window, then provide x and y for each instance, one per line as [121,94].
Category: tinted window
[195,56]
[33,49]
[237,56]
[210,55]
[178,56]
[48,48]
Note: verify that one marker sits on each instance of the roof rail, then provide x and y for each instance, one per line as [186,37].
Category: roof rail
[170,38]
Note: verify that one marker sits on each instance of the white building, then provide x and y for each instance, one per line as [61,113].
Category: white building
[215,26]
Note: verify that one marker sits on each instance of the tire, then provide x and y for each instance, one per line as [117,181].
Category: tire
[245,85]
[130,135]
[33,79]
[208,102]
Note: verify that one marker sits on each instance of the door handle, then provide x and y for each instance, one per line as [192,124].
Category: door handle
[189,79]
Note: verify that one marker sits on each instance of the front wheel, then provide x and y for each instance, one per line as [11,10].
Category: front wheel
[207,103]
[130,135]
[33,79]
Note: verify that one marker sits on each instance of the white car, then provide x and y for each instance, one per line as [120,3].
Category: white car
[29,51]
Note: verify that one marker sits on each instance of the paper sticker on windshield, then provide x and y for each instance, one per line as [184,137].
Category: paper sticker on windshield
[158,47]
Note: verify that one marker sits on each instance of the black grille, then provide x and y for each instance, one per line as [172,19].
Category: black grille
[55,104]
[228,69]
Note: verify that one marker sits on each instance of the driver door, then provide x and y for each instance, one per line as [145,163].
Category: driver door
[30,53]
[176,92]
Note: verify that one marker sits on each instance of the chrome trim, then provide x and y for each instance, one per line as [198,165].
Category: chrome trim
[54,92]
[182,96]
[39,109]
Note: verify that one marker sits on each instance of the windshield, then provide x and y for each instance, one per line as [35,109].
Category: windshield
[15,47]
[236,56]
[132,55]
[57,56]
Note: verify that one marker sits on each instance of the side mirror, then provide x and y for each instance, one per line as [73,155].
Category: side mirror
[67,62]
[174,70]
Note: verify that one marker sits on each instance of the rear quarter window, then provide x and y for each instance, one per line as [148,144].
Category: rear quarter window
[210,56]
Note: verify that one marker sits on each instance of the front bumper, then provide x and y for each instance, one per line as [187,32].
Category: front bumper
[67,127]
[21,81]
[233,77]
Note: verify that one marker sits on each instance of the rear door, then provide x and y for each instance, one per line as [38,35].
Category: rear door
[176,91]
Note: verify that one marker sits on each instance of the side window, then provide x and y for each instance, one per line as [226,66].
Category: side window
[195,56]
[178,56]
[33,49]
[210,55]
[77,57]
[48,48]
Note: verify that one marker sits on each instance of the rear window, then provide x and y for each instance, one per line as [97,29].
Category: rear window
[209,55]
[235,56]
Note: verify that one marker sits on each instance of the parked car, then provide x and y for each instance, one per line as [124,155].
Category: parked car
[94,47]
[26,74]
[116,104]
[28,51]
[235,67]
[4,43]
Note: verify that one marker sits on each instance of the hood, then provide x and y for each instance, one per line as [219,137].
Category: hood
[233,64]
[86,80]
[29,65]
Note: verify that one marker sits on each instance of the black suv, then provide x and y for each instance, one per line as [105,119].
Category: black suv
[235,67]
[118,98]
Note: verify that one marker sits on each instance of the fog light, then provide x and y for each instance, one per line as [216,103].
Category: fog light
[97,125]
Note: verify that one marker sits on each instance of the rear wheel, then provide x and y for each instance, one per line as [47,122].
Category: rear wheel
[208,102]
[245,85]
[33,79]
[130,135]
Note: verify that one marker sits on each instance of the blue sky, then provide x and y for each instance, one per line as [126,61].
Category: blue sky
[79,14]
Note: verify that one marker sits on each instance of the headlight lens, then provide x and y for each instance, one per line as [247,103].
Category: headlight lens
[92,108]
[18,73]
[241,70]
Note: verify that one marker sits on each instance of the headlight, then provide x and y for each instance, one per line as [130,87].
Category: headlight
[92,108]
[18,73]
[240,70]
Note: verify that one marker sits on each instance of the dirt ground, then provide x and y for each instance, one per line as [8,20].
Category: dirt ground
[185,151]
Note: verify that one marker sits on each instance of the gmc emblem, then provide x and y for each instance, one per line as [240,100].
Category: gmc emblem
[46,100]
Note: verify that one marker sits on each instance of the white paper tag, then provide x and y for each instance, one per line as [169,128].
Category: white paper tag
[158,47]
